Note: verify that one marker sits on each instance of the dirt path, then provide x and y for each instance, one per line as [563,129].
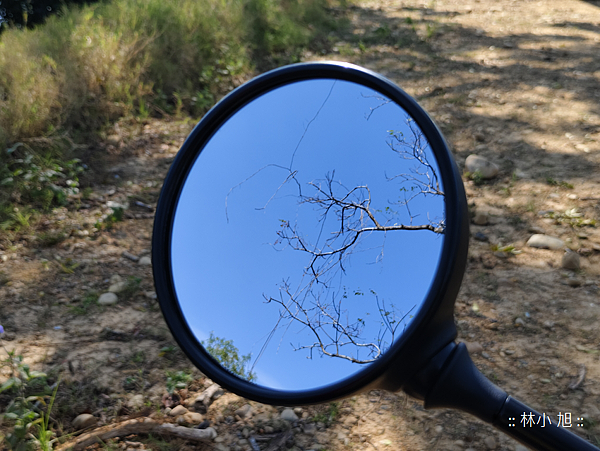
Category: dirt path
[517,82]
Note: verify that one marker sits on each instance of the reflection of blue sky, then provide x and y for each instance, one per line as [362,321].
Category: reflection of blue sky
[225,260]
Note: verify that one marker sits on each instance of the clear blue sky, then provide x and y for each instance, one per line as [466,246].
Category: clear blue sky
[226,259]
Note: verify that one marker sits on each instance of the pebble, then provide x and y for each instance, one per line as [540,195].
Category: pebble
[481,237]
[490,442]
[474,347]
[480,218]
[545,242]
[486,168]
[192,418]
[117,287]
[519,322]
[289,415]
[145,261]
[571,260]
[574,282]
[245,411]
[108,299]
[136,402]
[178,410]
[310,429]
[133,258]
[85,420]
[438,429]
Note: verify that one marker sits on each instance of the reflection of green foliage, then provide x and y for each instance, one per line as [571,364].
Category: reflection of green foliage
[228,355]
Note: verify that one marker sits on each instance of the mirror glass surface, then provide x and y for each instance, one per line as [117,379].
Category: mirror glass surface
[307,234]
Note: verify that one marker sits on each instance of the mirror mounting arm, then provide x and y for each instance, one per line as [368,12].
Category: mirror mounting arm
[452,380]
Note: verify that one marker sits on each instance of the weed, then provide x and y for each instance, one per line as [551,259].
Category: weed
[177,380]
[88,300]
[559,183]
[69,266]
[132,287]
[329,415]
[111,219]
[476,177]
[431,31]
[510,249]
[30,390]
[51,238]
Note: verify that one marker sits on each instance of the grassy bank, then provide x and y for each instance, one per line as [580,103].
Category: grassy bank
[86,67]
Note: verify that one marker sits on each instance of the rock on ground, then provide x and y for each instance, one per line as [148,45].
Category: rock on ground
[545,242]
[482,166]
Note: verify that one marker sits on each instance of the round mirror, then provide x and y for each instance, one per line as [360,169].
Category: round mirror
[301,228]
[305,239]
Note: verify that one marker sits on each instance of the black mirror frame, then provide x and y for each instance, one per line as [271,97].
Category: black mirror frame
[433,327]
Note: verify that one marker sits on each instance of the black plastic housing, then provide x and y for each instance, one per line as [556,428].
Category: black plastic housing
[433,327]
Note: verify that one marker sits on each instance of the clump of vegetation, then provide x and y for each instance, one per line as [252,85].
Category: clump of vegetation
[560,183]
[177,380]
[93,64]
[476,177]
[31,392]
[329,414]
[132,287]
[229,356]
[572,217]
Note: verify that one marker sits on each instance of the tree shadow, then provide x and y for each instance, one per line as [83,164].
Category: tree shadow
[423,48]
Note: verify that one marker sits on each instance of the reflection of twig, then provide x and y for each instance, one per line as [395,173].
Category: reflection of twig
[310,122]
[384,101]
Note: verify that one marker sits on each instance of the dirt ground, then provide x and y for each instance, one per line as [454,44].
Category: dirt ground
[517,82]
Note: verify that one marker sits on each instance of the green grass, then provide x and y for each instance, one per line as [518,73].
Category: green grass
[93,64]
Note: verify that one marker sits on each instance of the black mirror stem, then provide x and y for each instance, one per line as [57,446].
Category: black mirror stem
[452,380]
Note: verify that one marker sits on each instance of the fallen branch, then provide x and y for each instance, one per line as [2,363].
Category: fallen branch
[137,426]
[575,385]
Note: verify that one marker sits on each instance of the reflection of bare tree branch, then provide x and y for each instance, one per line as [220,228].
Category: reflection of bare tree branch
[333,332]
[344,216]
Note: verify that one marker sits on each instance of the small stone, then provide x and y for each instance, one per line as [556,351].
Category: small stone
[116,279]
[574,282]
[519,322]
[133,258]
[178,410]
[571,260]
[150,295]
[545,242]
[548,324]
[474,347]
[310,429]
[478,164]
[536,229]
[117,287]
[192,418]
[108,299]
[438,429]
[480,218]
[145,261]
[490,442]
[85,420]
[289,415]
[481,237]
[136,402]
[245,411]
